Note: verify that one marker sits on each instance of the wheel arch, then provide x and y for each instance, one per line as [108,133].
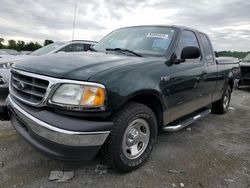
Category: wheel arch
[152,99]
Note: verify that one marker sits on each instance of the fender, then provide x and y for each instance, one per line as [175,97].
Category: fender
[151,92]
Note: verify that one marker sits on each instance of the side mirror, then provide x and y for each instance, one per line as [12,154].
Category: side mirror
[216,54]
[190,52]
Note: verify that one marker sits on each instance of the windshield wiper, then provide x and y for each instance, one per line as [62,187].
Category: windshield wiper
[123,50]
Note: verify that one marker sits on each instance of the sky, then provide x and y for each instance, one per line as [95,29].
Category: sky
[227,22]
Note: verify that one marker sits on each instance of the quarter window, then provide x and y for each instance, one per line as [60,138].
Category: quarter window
[207,47]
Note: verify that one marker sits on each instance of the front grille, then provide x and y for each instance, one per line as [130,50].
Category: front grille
[27,88]
[245,71]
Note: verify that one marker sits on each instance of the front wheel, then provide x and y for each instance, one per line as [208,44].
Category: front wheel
[221,106]
[132,137]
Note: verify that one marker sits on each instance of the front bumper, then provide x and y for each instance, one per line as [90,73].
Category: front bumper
[55,141]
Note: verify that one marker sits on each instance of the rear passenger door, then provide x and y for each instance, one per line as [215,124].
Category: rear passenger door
[212,68]
[184,94]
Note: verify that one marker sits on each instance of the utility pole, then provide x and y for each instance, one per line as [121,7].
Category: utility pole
[74,24]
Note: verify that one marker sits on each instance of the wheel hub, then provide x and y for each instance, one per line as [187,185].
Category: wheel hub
[132,136]
[136,139]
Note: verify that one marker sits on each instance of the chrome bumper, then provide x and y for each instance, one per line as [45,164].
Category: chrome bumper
[54,134]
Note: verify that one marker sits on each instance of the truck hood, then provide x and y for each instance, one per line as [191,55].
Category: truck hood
[76,66]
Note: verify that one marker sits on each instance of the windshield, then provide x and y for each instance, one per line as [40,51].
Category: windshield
[247,58]
[46,49]
[146,40]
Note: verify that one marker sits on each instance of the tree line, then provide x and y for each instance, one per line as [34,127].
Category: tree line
[32,46]
[236,54]
[23,46]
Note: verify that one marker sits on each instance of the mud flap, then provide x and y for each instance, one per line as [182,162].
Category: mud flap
[4,113]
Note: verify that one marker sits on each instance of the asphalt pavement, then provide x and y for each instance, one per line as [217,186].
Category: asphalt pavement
[213,152]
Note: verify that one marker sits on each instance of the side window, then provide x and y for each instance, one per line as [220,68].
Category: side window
[73,48]
[207,47]
[78,47]
[67,48]
[87,47]
[187,38]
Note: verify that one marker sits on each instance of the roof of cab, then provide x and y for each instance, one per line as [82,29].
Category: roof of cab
[173,26]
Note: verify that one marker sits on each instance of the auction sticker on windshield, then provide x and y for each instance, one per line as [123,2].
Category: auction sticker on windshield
[157,35]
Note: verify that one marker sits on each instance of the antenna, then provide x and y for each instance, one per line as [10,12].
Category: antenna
[74,24]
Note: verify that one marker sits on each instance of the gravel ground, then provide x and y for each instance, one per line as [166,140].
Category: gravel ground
[213,152]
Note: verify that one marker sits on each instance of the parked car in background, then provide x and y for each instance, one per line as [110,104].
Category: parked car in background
[245,71]
[57,47]
[234,64]
[71,46]
[134,83]
[3,74]
[10,51]
[4,54]
[24,52]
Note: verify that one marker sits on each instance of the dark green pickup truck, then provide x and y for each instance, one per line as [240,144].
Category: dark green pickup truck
[117,97]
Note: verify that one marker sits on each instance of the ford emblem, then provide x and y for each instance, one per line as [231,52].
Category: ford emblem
[20,85]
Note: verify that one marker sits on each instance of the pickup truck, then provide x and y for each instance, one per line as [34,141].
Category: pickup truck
[245,71]
[116,98]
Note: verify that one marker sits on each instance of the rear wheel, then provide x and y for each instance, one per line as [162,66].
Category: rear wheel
[221,106]
[132,137]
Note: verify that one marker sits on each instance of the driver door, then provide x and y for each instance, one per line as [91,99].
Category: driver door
[183,95]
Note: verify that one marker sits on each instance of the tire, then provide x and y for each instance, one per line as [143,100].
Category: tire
[132,137]
[221,106]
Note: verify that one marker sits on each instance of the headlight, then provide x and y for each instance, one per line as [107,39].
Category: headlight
[6,65]
[79,95]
